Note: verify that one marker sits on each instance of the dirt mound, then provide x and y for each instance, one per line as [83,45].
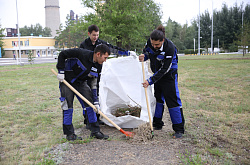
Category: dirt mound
[162,149]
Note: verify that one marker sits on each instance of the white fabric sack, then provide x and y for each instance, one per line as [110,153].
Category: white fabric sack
[122,78]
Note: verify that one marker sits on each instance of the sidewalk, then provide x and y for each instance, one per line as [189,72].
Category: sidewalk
[24,61]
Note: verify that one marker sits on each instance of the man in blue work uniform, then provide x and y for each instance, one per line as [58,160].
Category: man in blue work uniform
[76,66]
[163,62]
[90,43]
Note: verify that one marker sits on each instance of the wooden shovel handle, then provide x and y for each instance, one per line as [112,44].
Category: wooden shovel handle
[146,94]
[89,103]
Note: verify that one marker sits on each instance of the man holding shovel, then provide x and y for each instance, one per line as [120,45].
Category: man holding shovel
[90,44]
[163,62]
[76,66]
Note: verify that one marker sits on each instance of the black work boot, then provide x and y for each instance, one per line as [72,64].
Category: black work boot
[157,123]
[73,137]
[177,135]
[99,135]
[95,131]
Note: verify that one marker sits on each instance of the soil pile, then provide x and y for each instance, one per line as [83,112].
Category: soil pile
[133,111]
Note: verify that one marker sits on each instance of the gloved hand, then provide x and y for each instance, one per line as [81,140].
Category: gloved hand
[60,77]
[132,53]
[97,106]
[141,57]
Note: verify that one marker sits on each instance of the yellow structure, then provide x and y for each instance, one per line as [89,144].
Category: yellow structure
[40,46]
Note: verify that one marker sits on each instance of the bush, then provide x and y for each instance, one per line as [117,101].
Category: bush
[31,58]
[189,51]
[233,48]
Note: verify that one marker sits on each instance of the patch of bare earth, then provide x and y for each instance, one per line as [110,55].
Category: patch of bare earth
[162,149]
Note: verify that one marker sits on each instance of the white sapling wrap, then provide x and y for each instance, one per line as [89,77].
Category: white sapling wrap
[121,79]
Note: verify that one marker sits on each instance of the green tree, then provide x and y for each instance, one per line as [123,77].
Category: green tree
[191,34]
[227,24]
[1,40]
[169,29]
[128,23]
[31,58]
[72,35]
[176,33]
[205,32]
[244,37]
[35,30]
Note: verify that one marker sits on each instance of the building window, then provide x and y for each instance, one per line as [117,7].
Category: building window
[26,43]
[56,43]
[14,43]
[21,43]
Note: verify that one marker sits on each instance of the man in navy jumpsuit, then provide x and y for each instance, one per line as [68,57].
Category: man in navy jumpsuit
[163,62]
[90,44]
[76,66]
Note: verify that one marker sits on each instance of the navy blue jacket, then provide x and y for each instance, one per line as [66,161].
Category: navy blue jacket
[86,59]
[162,60]
[87,44]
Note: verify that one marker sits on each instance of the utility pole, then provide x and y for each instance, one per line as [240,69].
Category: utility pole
[218,44]
[19,54]
[242,43]
[212,29]
[194,45]
[199,51]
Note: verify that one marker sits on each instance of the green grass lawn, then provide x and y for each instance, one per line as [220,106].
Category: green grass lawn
[215,94]
[214,91]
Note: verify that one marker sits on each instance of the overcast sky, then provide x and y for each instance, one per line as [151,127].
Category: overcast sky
[33,11]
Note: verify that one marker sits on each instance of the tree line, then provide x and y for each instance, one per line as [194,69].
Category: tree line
[128,24]
[35,30]
[1,40]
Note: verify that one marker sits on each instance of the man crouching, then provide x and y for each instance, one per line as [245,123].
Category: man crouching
[76,66]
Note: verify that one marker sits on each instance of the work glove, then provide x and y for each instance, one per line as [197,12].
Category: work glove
[97,106]
[132,53]
[60,77]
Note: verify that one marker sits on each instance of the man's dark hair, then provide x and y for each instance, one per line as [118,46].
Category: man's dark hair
[93,27]
[102,48]
[161,28]
[158,34]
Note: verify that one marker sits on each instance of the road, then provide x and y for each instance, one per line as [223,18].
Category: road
[38,60]
[24,61]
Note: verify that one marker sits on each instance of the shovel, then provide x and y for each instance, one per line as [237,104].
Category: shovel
[128,134]
[146,94]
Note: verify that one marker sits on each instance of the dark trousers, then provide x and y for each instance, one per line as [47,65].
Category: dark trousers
[67,99]
[167,89]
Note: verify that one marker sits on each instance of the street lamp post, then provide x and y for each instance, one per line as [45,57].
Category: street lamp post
[19,54]
[212,30]
[199,51]
[218,44]
[242,43]
[194,45]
